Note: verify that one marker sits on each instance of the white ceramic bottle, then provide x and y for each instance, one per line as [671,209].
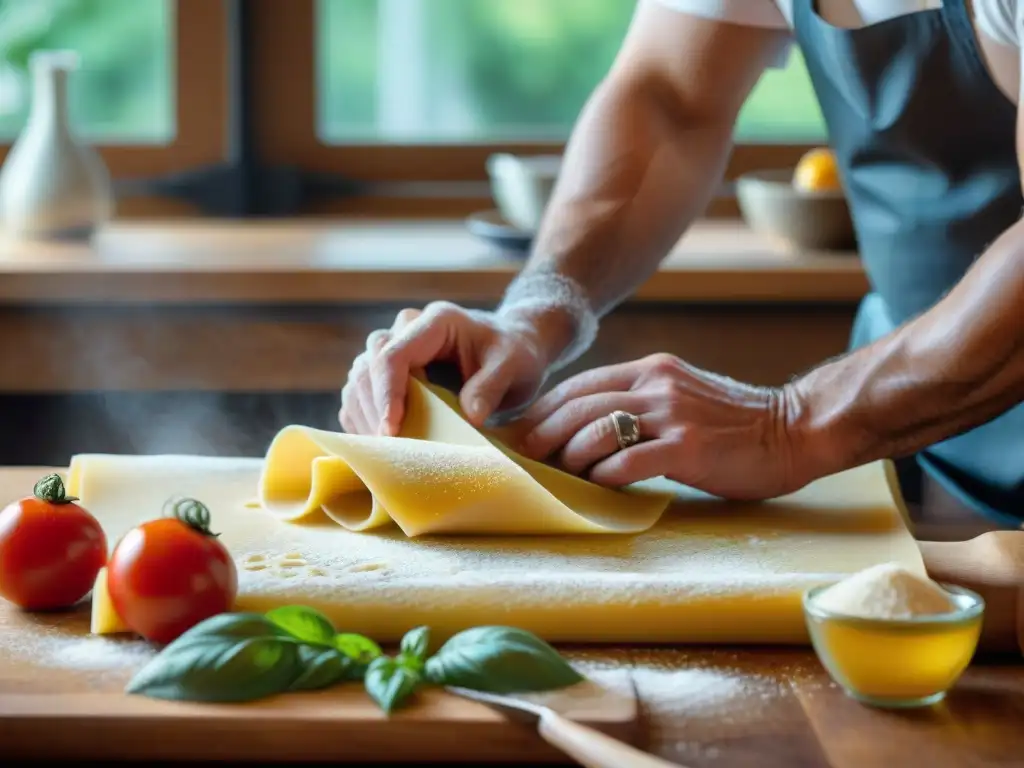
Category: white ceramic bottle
[52,187]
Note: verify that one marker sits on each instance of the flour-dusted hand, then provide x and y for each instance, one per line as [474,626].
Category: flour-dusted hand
[703,430]
[502,360]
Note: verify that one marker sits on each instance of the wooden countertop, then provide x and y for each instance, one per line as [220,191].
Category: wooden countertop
[357,261]
[702,708]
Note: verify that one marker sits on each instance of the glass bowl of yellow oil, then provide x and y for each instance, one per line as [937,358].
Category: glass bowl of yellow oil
[897,663]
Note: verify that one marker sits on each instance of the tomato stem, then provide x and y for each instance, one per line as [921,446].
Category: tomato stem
[51,489]
[192,513]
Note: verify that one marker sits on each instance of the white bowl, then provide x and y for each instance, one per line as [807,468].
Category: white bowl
[522,186]
[771,205]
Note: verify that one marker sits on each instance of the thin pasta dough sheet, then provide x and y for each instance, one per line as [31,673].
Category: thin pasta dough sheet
[440,476]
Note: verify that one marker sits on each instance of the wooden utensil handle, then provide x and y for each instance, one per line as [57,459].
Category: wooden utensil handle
[993,566]
[594,749]
[995,558]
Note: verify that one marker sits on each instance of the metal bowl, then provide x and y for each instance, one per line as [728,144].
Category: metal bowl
[771,205]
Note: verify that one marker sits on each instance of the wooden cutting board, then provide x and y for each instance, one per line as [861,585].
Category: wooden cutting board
[61,698]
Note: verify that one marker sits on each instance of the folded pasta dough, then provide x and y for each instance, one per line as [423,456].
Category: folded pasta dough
[441,475]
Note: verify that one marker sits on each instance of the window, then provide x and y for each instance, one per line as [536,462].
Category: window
[783,107]
[124,91]
[377,106]
[462,71]
[409,97]
[149,90]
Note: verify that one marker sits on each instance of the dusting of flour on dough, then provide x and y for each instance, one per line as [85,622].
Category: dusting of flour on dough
[446,469]
[388,566]
[490,578]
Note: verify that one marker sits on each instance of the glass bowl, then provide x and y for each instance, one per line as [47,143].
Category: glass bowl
[896,663]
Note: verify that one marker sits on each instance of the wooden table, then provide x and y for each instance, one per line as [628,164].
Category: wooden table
[765,708]
[769,708]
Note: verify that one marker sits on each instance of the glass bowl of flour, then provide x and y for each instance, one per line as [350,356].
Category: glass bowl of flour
[892,638]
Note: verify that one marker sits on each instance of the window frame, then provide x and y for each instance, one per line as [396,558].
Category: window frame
[246,110]
[398,179]
[202,98]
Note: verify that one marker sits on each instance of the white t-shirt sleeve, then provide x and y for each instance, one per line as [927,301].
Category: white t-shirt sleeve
[1000,20]
[1003,22]
[749,13]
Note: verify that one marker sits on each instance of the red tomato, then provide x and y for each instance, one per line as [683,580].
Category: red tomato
[51,549]
[167,575]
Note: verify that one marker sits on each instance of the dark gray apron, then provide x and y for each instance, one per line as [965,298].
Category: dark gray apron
[925,143]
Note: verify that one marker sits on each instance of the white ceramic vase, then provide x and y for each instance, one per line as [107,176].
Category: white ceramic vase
[53,187]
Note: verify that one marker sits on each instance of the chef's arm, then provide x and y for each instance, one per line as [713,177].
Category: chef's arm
[951,369]
[647,153]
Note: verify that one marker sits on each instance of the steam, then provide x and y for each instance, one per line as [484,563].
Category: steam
[181,417]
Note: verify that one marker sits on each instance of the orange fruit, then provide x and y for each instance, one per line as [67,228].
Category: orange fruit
[817,171]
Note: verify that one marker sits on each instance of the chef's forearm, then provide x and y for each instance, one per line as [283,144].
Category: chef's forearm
[636,173]
[953,368]
[638,170]
[645,157]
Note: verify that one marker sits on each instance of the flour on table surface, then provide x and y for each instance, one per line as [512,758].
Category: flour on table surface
[61,642]
[698,702]
[91,653]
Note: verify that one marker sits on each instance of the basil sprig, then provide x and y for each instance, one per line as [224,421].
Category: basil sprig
[500,660]
[236,657]
[228,657]
[390,682]
[246,656]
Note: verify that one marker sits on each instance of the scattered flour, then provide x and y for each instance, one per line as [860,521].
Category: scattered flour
[56,648]
[885,591]
[678,682]
[97,653]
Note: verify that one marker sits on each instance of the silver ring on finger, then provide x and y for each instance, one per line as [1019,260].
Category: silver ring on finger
[627,428]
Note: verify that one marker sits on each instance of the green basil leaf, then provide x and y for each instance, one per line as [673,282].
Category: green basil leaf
[229,657]
[324,667]
[389,683]
[304,624]
[414,647]
[500,660]
[357,647]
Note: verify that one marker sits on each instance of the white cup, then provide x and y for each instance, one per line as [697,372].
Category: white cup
[522,185]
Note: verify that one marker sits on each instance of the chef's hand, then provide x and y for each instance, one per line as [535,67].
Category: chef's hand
[502,361]
[700,429]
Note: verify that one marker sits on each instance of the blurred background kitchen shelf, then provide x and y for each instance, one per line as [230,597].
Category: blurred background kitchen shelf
[354,110]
